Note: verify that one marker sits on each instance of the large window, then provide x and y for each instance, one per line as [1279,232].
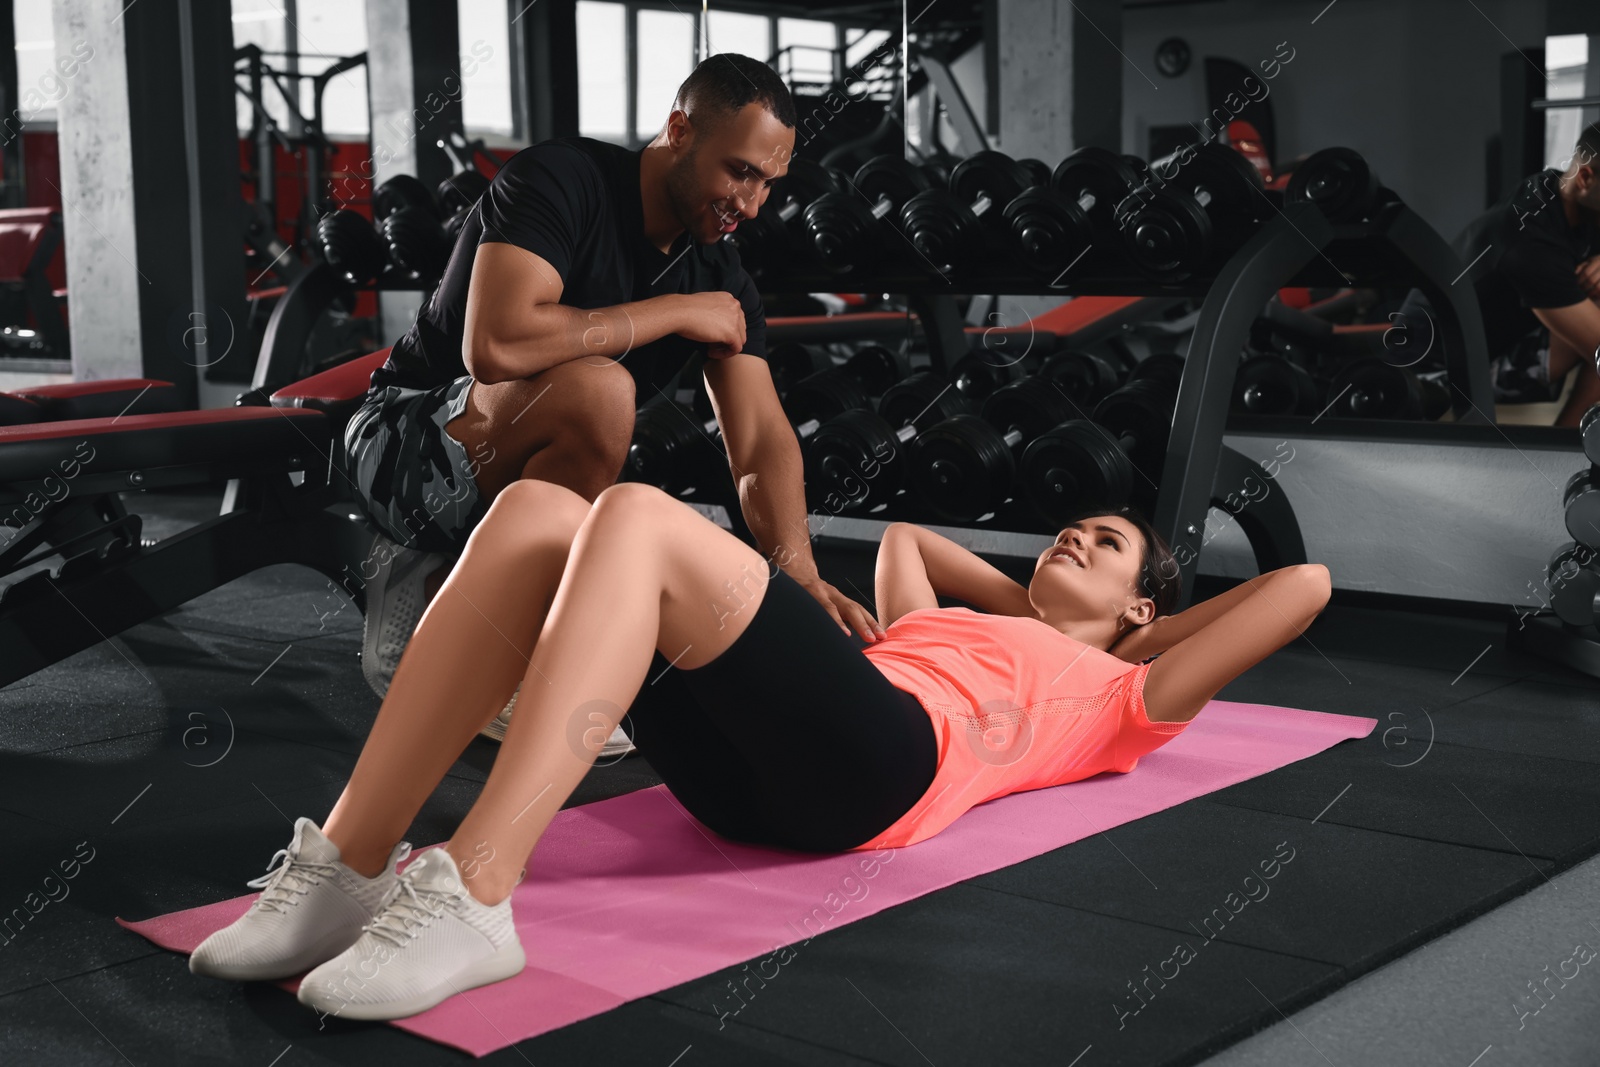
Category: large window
[664,62]
[1565,59]
[485,34]
[602,71]
[326,31]
[669,41]
[38,84]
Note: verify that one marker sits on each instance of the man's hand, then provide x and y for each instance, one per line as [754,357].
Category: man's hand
[1589,277]
[841,606]
[714,319]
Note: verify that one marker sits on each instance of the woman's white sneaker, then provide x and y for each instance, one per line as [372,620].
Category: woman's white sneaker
[311,908]
[431,940]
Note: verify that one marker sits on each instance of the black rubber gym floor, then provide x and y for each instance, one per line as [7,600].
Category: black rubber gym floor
[1477,783]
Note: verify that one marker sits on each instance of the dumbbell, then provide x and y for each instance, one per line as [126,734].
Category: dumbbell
[787,361]
[1198,205]
[461,190]
[1573,579]
[819,395]
[778,231]
[856,462]
[670,449]
[418,247]
[1083,463]
[402,191]
[1273,384]
[1055,225]
[351,246]
[1581,498]
[965,467]
[1589,431]
[855,228]
[869,373]
[1087,375]
[961,228]
[1372,388]
[979,373]
[1339,183]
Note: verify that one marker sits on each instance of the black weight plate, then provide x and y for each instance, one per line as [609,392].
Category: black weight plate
[1028,405]
[1086,377]
[877,368]
[461,190]
[1168,237]
[854,462]
[1589,431]
[1338,181]
[1163,368]
[992,176]
[1038,170]
[843,230]
[1582,501]
[942,229]
[925,397]
[1051,230]
[890,176]
[1101,176]
[351,246]
[961,468]
[1271,385]
[402,191]
[1140,415]
[823,395]
[417,244]
[1074,466]
[1228,182]
[1573,580]
[790,361]
[1370,388]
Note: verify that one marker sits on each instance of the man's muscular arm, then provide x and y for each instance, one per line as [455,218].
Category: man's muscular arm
[516,327]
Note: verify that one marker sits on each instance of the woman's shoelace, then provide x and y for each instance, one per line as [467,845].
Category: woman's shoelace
[399,917]
[281,885]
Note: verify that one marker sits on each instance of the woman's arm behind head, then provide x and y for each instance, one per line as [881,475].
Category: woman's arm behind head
[1213,642]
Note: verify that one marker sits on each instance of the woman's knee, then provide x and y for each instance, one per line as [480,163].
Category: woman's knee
[533,512]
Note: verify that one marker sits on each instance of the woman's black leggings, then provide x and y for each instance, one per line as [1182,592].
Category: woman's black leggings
[791,737]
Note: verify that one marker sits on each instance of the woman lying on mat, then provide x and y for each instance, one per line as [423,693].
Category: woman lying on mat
[766,722]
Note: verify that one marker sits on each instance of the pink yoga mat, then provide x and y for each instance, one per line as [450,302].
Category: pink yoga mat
[630,896]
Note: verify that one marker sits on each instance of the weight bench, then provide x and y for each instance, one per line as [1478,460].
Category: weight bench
[61,500]
[110,398]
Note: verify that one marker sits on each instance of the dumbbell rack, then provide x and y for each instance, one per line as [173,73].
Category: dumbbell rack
[1299,247]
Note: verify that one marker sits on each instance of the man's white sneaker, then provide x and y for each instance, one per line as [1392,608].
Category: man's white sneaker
[311,909]
[431,940]
[395,599]
[619,744]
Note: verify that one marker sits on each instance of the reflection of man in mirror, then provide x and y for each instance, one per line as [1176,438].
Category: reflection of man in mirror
[1538,282]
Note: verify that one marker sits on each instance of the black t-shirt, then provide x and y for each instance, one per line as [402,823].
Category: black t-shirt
[575,202]
[1529,254]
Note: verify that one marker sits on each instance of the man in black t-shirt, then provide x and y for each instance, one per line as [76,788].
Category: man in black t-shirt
[1535,264]
[582,281]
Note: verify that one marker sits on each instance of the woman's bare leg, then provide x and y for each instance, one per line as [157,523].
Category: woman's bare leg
[470,649]
[646,573]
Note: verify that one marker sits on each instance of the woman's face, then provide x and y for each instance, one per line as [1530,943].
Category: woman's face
[1091,569]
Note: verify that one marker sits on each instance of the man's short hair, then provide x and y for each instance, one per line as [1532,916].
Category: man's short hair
[724,84]
[1587,150]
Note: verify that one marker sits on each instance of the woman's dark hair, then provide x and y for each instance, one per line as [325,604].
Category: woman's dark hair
[1158,569]
[722,85]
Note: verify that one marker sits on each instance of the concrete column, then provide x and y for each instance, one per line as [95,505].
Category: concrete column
[149,187]
[415,80]
[1059,87]
[1059,77]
